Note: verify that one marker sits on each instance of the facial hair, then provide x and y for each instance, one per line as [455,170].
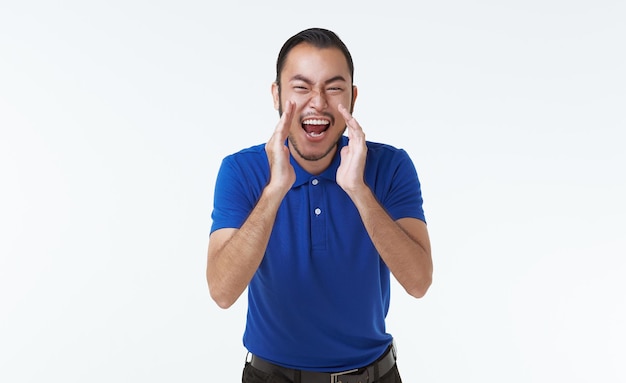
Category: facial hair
[294,143]
[332,147]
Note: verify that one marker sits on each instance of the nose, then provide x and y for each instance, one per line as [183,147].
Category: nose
[318,100]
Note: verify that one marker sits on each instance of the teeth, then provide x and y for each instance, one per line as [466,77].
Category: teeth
[316,122]
[313,134]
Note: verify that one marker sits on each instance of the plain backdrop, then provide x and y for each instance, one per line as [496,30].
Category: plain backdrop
[115,115]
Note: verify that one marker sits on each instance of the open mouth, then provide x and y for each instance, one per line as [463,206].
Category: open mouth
[315,127]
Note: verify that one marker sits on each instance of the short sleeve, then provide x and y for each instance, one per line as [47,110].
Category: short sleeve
[404,196]
[231,203]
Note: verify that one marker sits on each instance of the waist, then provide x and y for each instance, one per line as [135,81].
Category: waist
[358,375]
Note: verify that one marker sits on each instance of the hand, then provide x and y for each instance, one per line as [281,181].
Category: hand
[352,167]
[282,174]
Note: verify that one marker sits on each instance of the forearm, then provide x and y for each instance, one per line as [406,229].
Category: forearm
[404,245]
[233,259]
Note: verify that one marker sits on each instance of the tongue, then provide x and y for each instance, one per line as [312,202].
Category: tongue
[317,129]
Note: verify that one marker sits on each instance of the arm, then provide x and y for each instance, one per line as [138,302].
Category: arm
[235,254]
[404,245]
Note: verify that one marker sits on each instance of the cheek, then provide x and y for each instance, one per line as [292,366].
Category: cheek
[344,100]
[299,99]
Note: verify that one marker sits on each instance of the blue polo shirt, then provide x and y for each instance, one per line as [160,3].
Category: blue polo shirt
[319,299]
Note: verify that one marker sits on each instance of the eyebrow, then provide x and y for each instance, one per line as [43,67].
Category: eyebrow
[300,77]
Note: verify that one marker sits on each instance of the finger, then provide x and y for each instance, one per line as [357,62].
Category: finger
[354,128]
[351,122]
[282,129]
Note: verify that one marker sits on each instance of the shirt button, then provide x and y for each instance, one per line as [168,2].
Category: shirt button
[318,211]
[315,181]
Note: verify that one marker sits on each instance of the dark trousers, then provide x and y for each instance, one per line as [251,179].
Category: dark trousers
[252,375]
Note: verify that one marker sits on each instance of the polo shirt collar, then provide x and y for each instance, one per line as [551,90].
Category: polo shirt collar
[303,177]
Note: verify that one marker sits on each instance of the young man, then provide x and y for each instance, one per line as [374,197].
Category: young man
[312,223]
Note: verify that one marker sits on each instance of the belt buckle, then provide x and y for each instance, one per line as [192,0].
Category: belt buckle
[335,376]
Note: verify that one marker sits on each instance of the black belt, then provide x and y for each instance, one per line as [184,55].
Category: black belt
[358,375]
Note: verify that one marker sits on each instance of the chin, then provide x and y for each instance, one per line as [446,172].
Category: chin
[309,154]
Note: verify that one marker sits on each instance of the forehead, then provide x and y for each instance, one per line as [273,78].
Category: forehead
[315,63]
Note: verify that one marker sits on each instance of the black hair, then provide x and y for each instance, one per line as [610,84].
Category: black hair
[319,38]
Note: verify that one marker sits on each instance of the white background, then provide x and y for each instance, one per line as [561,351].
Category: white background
[115,115]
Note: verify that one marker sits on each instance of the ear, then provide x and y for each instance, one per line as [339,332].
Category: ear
[276,95]
[354,94]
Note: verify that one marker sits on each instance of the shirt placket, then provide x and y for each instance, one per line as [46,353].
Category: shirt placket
[318,213]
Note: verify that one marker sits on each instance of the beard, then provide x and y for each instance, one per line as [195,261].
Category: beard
[315,157]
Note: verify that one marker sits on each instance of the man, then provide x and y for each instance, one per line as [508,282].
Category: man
[312,223]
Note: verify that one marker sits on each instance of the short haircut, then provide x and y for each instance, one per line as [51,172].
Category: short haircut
[319,38]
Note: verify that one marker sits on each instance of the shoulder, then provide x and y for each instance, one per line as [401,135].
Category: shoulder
[371,145]
[247,153]
[388,163]
[247,168]
[385,152]
[247,157]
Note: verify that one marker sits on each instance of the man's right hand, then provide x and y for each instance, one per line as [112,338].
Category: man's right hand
[282,174]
